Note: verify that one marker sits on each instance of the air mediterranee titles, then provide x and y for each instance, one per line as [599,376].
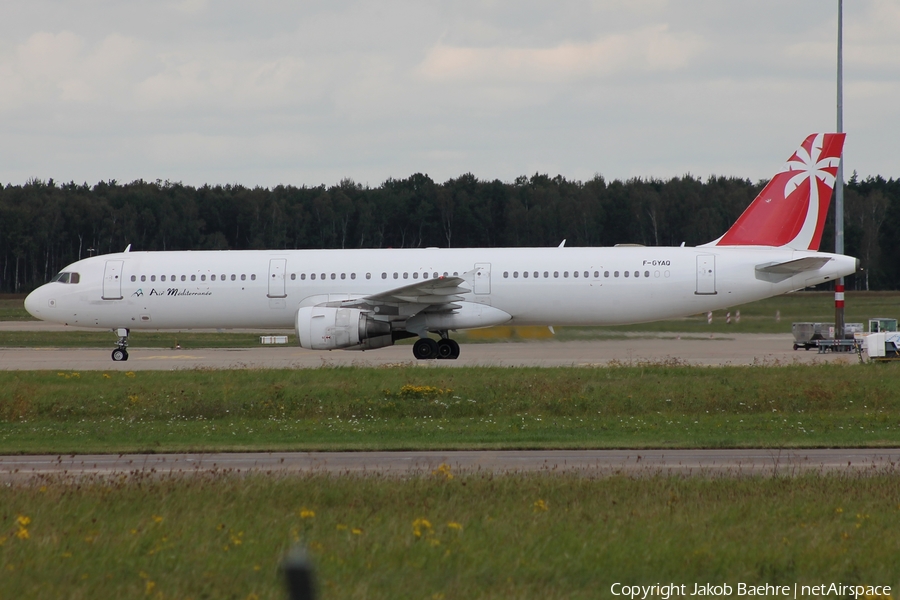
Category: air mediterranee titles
[823,590]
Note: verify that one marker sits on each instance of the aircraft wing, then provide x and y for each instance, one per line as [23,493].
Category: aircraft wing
[431,295]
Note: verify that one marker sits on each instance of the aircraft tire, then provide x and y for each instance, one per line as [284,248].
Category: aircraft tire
[445,348]
[425,349]
[454,354]
[119,355]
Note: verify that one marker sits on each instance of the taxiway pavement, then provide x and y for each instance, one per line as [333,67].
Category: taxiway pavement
[718,349]
[590,463]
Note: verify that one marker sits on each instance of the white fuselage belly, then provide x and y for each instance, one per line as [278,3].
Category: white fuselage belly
[670,282]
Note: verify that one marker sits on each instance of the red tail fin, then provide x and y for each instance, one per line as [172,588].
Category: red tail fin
[791,209]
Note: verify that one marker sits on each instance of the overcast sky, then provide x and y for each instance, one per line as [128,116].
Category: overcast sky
[309,92]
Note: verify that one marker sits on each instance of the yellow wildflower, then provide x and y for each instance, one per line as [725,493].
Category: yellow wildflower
[541,506]
[305,513]
[150,586]
[454,525]
[157,519]
[23,534]
[129,374]
[420,525]
[341,527]
[444,470]
[356,531]
[107,376]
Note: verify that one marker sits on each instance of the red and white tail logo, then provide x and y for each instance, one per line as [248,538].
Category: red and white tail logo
[791,209]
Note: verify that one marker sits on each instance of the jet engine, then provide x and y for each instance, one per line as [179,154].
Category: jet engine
[330,328]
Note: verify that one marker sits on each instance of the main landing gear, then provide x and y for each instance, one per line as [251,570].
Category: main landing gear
[121,351]
[445,348]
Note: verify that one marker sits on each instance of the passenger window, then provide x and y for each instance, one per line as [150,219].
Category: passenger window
[565,273]
[183,278]
[546,274]
[406,276]
[505,274]
[525,274]
[352,275]
[193,278]
[445,274]
[312,276]
[153,278]
[637,273]
[515,274]
[243,277]
[343,276]
[456,273]
[435,275]
[143,278]
[253,277]
[396,275]
[606,273]
[162,278]
[368,276]
[133,278]
[223,277]
[596,274]
[574,273]
[302,277]
[627,273]
[616,274]
[415,275]
[212,277]
[556,274]
[384,275]
[586,274]
[646,273]
[203,278]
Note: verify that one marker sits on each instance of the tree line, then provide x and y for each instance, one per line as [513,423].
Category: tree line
[45,225]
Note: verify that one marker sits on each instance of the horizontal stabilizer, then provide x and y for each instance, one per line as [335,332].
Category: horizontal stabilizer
[791,267]
[778,272]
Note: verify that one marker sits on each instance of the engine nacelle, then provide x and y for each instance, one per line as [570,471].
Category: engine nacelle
[330,328]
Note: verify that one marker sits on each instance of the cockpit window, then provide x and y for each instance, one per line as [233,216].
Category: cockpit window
[67,278]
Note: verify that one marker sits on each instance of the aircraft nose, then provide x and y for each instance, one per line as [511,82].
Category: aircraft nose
[32,303]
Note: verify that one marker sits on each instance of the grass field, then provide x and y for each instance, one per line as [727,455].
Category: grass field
[408,408]
[443,535]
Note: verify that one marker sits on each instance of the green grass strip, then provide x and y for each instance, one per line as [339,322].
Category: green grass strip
[412,408]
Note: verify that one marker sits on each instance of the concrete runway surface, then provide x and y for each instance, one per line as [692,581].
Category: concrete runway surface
[718,349]
[589,463]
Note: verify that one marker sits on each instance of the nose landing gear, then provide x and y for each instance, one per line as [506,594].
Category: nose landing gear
[121,351]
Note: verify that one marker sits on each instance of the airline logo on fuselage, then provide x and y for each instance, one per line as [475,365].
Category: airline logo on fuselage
[170,292]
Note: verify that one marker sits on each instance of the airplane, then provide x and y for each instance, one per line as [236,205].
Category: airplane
[367,299]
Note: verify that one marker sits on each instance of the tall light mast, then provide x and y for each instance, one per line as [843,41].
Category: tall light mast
[839,184]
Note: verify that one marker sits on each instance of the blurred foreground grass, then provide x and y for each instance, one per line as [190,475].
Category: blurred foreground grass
[442,535]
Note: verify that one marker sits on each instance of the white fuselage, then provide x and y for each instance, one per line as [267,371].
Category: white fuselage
[264,289]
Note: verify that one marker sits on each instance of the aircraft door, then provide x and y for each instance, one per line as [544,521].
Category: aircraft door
[706,274]
[481,284]
[112,280]
[277,267]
